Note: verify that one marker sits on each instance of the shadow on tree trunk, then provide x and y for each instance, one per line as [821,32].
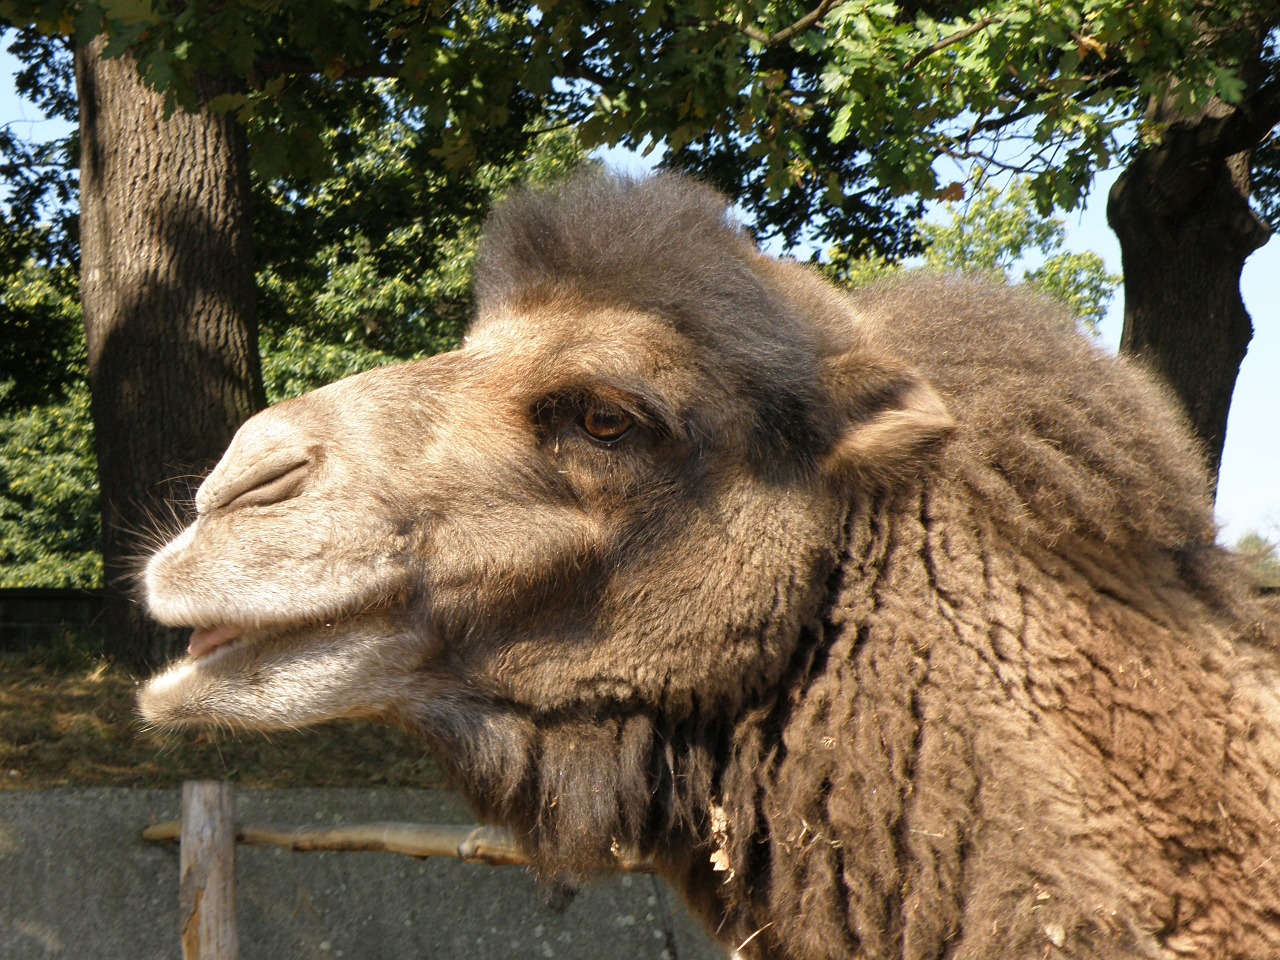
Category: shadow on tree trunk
[168,292]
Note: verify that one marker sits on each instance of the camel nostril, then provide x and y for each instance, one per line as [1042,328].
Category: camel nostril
[270,480]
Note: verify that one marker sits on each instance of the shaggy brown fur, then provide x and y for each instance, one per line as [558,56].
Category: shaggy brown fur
[888,627]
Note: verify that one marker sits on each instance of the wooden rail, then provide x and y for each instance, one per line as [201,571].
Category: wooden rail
[208,834]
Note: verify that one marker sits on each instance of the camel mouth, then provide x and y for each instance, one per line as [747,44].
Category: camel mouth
[206,644]
[205,640]
[302,674]
[211,638]
[230,646]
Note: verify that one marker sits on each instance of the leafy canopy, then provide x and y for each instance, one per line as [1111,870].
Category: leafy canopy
[825,117]
[49,495]
[818,115]
[375,252]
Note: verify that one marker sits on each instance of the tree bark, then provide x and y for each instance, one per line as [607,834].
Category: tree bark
[168,293]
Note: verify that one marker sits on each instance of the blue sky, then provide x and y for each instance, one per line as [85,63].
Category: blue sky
[1249,483]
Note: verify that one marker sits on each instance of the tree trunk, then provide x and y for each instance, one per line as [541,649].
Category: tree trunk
[1185,229]
[1181,211]
[167,287]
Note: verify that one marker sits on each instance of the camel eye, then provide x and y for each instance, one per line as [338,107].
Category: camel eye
[606,423]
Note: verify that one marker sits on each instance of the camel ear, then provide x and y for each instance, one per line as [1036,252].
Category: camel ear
[891,420]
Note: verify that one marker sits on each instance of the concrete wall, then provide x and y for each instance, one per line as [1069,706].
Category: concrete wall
[77,882]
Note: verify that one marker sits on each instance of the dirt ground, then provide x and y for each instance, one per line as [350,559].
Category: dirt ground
[68,719]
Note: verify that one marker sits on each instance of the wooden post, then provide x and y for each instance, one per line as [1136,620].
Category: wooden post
[207,859]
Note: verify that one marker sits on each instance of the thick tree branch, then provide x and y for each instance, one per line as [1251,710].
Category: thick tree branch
[10,169]
[994,124]
[958,37]
[786,33]
[1243,127]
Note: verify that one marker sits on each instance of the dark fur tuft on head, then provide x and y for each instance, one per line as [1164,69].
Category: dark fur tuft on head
[659,244]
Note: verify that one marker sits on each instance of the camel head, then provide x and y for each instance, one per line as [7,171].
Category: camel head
[628,484]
